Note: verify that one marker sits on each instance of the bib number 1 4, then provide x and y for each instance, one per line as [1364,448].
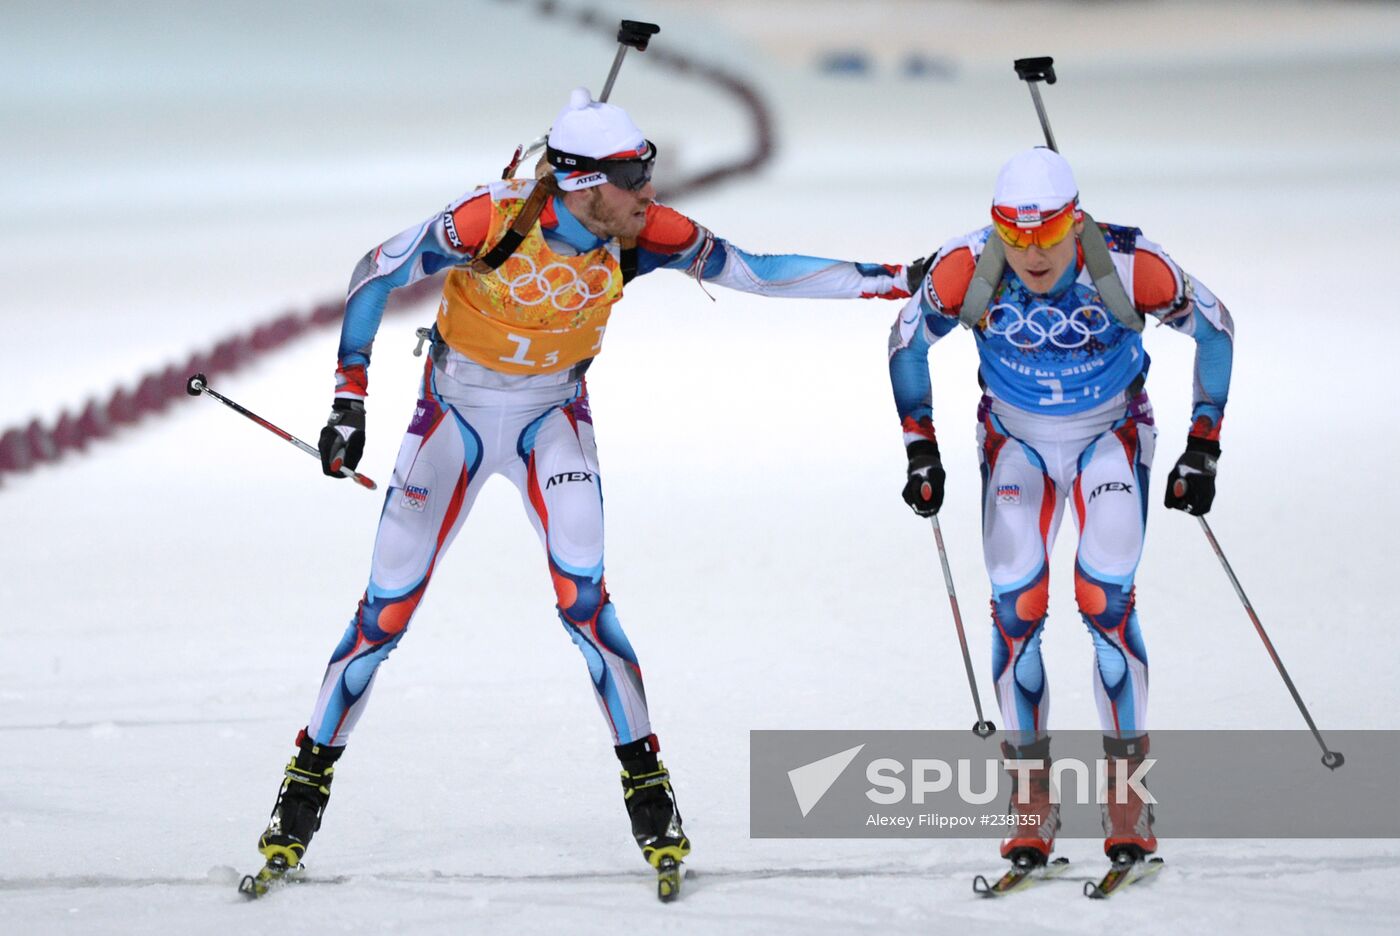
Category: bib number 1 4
[1057,392]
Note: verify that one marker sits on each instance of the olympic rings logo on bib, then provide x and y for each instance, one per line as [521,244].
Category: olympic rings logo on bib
[1033,328]
[559,284]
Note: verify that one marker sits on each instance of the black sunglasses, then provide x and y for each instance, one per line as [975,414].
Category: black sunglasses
[631,174]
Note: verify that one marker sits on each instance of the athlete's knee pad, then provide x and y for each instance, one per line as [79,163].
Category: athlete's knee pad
[1108,611]
[379,620]
[1020,611]
[1105,606]
[579,597]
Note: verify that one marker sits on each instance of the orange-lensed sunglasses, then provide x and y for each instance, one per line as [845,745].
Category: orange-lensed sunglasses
[1046,234]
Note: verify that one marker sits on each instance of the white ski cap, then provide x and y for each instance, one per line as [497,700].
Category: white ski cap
[586,127]
[1036,183]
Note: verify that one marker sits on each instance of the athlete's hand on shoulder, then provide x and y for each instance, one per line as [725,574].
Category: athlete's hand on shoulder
[342,441]
[923,488]
[1191,484]
[915,272]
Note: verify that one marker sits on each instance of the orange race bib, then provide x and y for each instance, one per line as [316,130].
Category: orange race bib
[538,312]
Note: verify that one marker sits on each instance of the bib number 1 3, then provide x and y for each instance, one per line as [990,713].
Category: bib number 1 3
[522,351]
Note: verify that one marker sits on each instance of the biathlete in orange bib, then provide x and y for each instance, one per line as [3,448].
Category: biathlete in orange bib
[534,269]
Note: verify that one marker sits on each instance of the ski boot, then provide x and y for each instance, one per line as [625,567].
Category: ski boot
[306,788]
[1127,825]
[651,805]
[1127,821]
[1035,819]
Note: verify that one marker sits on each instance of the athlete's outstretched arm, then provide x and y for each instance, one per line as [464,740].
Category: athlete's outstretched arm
[449,238]
[672,241]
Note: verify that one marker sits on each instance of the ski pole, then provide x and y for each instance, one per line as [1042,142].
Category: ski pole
[198,385]
[631,34]
[982,728]
[1330,759]
[1031,70]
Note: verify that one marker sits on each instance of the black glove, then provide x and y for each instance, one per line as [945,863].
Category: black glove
[915,272]
[1191,485]
[343,440]
[924,489]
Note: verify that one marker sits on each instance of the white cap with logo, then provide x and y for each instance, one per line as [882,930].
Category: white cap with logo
[1038,181]
[594,130]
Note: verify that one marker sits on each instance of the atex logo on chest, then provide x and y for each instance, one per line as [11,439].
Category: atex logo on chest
[564,477]
[1108,486]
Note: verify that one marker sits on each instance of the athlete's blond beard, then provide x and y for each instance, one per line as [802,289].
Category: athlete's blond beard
[612,223]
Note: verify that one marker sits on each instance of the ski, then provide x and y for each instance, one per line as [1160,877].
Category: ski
[1019,877]
[274,874]
[668,879]
[1123,874]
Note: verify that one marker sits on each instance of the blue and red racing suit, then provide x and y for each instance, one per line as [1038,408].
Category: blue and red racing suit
[1064,416]
[504,393]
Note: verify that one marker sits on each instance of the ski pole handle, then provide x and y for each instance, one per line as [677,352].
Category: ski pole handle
[1041,68]
[198,385]
[1032,70]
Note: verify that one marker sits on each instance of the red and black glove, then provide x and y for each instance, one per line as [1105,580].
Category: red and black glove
[342,441]
[1191,484]
[923,489]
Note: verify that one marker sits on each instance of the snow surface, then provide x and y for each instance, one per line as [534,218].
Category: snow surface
[174,173]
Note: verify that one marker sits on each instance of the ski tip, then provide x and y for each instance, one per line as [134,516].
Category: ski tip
[1121,876]
[1020,876]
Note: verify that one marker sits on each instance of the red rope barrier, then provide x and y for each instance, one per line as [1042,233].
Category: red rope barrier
[23,448]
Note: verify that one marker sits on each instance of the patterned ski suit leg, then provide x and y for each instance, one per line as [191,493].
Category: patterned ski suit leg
[1110,505]
[1021,512]
[434,484]
[558,477]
